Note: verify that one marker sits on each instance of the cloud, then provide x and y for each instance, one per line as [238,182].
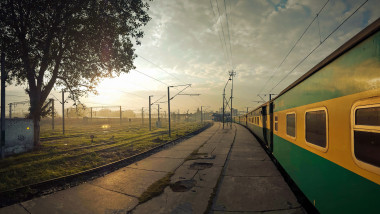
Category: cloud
[186,39]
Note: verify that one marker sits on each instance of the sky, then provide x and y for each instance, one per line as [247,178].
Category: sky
[199,42]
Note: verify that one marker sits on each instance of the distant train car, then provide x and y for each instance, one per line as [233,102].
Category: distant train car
[324,129]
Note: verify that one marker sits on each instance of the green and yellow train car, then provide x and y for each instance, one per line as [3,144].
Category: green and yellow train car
[324,129]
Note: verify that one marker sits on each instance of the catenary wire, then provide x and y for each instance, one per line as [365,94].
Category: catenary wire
[319,45]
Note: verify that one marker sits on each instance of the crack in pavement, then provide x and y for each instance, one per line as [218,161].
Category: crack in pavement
[111,190]
[24,208]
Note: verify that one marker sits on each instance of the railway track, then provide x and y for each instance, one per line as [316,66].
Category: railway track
[6,163]
[45,187]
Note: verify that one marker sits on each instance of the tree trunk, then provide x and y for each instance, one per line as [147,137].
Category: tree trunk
[35,115]
[36,123]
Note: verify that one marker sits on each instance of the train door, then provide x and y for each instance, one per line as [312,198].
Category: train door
[264,116]
[271,127]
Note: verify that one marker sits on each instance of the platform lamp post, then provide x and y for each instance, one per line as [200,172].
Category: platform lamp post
[170,98]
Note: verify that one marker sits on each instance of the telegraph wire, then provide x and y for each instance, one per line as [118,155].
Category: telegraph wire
[224,39]
[228,31]
[161,68]
[319,45]
[220,38]
[295,44]
[151,77]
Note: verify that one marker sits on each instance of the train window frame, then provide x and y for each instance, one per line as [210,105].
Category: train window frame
[370,103]
[275,122]
[295,125]
[320,148]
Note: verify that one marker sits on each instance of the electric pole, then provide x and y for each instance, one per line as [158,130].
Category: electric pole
[170,98]
[52,113]
[201,115]
[150,116]
[170,134]
[63,112]
[10,110]
[120,115]
[142,116]
[158,112]
[224,93]
[232,74]
[3,78]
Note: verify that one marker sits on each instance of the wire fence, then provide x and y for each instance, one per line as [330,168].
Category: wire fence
[85,119]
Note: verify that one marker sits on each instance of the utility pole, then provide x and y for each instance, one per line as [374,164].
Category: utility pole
[10,110]
[3,78]
[91,113]
[224,93]
[120,115]
[142,116]
[158,112]
[170,134]
[63,112]
[150,116]
[232,74]
[201,115]
[170,98]
[270,96]
[52,113]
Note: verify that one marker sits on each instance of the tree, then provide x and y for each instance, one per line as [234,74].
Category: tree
[70,45]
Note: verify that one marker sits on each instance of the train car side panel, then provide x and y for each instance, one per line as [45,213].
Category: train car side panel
[330,187]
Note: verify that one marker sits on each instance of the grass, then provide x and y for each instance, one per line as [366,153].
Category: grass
[65,156]
[156,189]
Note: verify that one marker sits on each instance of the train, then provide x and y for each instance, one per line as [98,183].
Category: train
[324,129]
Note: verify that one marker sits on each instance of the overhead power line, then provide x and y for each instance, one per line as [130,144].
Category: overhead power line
[295,44]
[220,38]
[221,25]
[161,69]
[228,31]
[319,45]
[151,77]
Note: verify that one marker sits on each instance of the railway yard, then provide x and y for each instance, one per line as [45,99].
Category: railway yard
[84,147]
[213,171]
[111,107]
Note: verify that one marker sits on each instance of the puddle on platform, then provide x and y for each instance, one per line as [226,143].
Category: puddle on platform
[200,165]
[183,186]
[204,156]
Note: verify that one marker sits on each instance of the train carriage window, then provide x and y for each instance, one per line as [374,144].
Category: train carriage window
[291,124]
[366,136]
[367,116]
[276,123]
[316,128]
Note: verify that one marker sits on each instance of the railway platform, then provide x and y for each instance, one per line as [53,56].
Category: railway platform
[216,171]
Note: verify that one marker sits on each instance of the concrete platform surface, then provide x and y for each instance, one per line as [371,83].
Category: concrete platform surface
[251,183]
